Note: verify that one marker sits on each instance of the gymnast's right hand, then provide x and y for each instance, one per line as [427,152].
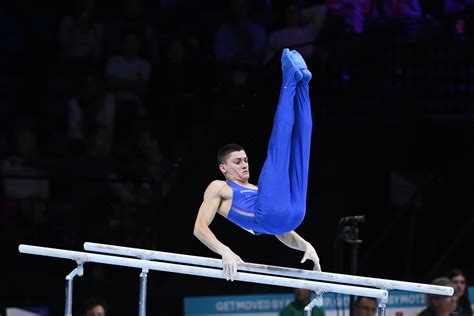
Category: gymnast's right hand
[229,262]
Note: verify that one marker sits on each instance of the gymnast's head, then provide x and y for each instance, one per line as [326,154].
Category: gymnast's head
[233,162]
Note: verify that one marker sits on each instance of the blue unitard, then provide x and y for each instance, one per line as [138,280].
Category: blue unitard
[278,205]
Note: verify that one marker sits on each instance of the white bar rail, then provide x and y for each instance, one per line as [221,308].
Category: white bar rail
[82,257]
[273,270]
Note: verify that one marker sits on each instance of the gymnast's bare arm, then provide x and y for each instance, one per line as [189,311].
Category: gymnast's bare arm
[295,241]
[209,207]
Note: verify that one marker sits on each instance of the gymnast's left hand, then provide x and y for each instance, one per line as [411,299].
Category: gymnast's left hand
[311,254]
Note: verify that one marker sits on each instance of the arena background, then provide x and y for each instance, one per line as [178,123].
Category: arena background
[392,97]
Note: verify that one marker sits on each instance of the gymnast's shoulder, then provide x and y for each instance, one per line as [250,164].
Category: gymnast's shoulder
[217,187]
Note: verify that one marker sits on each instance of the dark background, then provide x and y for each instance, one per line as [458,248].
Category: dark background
[393,134]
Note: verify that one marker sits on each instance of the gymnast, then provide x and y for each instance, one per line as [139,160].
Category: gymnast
[277,205]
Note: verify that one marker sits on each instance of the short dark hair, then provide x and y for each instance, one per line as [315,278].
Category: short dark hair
[92,302]
[454,273]
[360,298]
[443,281]
[226,150]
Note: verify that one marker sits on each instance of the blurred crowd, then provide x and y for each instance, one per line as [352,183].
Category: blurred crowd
[101,98]
[104,104]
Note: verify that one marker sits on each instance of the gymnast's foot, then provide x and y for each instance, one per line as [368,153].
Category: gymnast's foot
[301,64]
[289,67]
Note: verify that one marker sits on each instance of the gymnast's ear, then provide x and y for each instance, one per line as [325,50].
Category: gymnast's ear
[223,168]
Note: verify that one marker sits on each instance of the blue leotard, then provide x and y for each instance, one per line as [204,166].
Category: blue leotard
[244,205]
[279,204]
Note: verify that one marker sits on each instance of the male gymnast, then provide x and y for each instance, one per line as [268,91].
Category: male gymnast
[277,205]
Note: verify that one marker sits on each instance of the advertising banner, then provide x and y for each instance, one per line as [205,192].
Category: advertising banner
[400,303]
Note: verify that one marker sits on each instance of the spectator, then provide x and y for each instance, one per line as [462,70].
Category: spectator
[302,297]
[404,15]
[81,37]
[132,18]
[239,46]
[154,175]
[155,164]
[179,84]
[92,105]
[459,16]
[440,305]
[464,306]
[94,186]
[24,161]
[402,8]
[347,17]
[238,50]
[239,40]
[365,306]
[457,6]
[128,75]
[27,198]
[94,307]
[298,29]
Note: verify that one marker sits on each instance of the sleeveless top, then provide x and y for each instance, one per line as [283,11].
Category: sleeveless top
[243,209]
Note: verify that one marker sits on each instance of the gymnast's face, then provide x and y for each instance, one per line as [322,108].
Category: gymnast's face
[236,166]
